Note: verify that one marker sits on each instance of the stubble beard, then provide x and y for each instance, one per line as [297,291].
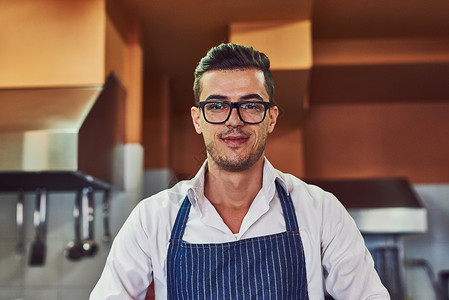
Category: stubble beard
[236,163]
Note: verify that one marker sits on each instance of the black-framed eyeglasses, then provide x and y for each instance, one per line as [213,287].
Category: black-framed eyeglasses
[250,112]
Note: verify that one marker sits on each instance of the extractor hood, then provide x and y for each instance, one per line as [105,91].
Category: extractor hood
[379,205]
[61,138]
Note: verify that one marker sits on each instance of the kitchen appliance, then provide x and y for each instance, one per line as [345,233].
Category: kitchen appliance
[62,139]
[384,209]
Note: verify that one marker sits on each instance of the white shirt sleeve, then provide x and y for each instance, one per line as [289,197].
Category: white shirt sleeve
[128,270]
[348,266]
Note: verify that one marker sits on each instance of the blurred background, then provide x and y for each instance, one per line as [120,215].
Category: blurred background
[95,110]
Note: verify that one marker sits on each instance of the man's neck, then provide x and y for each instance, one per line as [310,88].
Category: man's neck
[232,193]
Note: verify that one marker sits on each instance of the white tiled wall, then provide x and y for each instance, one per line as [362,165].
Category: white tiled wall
[59,278]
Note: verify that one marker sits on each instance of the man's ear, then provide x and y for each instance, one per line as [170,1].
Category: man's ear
[196,118]
[273,116]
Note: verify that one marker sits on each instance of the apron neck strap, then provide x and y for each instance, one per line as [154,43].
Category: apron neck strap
[288,209]
[181,220]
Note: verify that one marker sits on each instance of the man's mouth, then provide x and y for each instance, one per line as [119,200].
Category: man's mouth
[234,140]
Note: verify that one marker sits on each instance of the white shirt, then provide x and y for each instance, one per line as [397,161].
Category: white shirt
[333,246]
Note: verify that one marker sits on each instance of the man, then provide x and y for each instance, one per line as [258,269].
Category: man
[240,229]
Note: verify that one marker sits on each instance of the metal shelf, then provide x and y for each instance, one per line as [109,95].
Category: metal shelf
[59,181]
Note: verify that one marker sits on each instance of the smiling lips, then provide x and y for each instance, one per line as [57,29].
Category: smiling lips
[234,140]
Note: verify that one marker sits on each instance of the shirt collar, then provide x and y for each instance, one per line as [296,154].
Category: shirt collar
[270,174]
[196,190]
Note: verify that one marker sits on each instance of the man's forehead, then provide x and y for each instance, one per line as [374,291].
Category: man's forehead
[235,80]
[233,76]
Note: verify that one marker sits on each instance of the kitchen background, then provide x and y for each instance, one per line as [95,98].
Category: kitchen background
[362,88]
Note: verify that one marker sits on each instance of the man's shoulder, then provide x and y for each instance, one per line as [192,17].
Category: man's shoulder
[290,181]
[168,198]
[298,187]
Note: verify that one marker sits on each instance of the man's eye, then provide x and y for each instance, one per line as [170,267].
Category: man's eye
[252,106]
[215,106]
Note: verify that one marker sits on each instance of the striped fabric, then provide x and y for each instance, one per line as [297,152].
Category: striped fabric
[266,267]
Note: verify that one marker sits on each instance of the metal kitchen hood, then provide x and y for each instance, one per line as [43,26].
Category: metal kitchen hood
[60,138]
[380,205]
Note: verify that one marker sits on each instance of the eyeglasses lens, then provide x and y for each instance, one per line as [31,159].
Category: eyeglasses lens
[250,112]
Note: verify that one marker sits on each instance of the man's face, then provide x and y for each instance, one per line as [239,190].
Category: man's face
[234,145]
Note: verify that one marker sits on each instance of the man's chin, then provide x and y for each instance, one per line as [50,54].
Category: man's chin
[238,165]
[237,160]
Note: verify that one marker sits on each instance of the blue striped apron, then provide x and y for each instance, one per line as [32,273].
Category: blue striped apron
[265,267]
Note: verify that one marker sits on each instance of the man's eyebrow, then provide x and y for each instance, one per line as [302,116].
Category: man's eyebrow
[216,97]
[252,96]
[245,97]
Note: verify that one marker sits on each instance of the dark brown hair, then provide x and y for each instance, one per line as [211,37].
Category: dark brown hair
[233,57]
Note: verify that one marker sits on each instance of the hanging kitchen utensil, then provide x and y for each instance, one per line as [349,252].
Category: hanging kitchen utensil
[106,230]
[90,248]
[20,247]
[74,249]
[444,283]
[38,247]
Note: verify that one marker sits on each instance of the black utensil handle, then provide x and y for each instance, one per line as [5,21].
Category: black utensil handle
[38,247]
[77,215]
[91,215]
[106,204]
[87,191]
[43,213]
[20,250]
[37,214]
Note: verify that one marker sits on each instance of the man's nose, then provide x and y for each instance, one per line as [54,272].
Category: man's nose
[234,118]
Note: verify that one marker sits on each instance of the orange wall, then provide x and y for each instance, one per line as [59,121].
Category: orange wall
[285,149]
[375,140]
[55,43]
[156,122]
[124,57]
[52,43]
[187,147]
[380,138]
[343,141]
